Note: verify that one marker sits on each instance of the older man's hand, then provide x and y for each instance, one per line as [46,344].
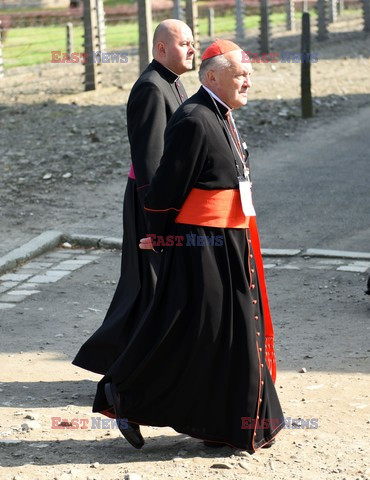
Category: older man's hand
[146,244]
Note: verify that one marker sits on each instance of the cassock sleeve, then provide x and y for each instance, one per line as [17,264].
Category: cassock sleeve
[184,155]
[146,122]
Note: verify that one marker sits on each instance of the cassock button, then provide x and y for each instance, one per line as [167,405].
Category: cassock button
[256,317]
[260,399]
[260,349]
[258,334]
[254,302]
[252,270]
[253,286]
[262,365]
[250,255]
[258,417]
[262,382]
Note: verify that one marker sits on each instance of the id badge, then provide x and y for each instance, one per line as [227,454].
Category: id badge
[245,189]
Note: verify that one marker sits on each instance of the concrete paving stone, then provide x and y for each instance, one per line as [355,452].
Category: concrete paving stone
[362,263]
[288,267]
[5,306]
[29,271]
[68,267]
[57,273]
[74,251]
[319,267]
[29,285]
[38,245]
[330,261]
[317,252]
[48,278]
[269,265]
[36,265]
[76,261]
[280,252]
[23,292]
[89,256]
[352,268]
[9,285]
[58,255]
[15,277]
[7,298]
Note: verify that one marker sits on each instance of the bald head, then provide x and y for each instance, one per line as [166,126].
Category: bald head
[173,45]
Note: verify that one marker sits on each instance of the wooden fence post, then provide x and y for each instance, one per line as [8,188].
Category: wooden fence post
[100,20]
[69,26]
[332,17]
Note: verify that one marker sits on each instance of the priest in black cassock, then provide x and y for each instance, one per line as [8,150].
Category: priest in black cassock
[153,99]
[202,357]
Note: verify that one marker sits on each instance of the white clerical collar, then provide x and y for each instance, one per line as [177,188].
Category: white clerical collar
[216,98]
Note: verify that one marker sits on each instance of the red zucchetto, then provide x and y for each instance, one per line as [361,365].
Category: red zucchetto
[219,47]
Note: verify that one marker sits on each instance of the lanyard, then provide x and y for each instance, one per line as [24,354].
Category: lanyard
[245,173]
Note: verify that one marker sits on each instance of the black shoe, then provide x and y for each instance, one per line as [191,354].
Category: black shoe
[270,444]
[214,444]
[131,431]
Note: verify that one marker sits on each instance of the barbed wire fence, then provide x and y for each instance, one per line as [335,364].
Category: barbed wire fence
[62,52]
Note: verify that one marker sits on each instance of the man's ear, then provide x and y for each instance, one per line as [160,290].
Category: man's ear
[211,77]
[161,49]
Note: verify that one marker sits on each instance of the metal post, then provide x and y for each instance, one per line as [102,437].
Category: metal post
[1,51]
[69,26]
[306,96]
[145,33]
[240,32]
[193,22]
[366,14]
[290,14]
[177,10]
[91,45]
[265,33]
[211,22]
[322,25]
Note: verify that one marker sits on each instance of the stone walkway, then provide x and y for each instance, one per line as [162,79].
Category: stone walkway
[52,266]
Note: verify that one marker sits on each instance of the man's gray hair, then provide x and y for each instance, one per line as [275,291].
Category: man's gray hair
[214,63]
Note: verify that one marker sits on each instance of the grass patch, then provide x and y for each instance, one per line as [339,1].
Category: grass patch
[33,45]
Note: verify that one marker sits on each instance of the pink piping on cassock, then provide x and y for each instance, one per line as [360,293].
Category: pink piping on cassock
[131,173]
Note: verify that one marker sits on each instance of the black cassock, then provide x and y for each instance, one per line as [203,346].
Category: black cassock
[153,100]
[196,361]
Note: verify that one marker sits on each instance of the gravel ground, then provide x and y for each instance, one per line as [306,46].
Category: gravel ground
[64,158]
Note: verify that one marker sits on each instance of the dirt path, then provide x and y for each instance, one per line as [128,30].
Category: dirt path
[322,328]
